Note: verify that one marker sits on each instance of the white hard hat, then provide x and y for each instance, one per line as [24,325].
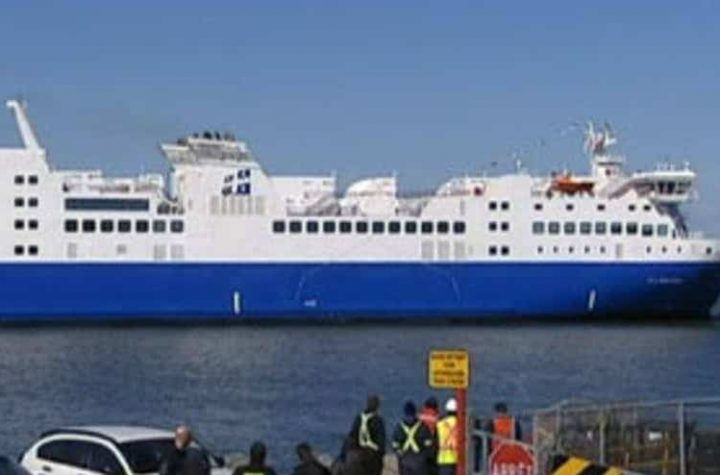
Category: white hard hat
[451,405]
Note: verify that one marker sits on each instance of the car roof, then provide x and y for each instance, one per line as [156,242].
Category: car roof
[118,434]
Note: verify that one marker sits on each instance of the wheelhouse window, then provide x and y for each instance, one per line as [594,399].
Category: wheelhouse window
[295,227]
[329,227]
[88,225]
[107,204]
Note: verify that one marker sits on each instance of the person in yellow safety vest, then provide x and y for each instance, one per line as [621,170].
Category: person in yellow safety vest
[448,438]
[413,443]
[367,435]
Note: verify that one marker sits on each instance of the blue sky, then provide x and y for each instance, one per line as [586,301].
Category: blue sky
[426,90]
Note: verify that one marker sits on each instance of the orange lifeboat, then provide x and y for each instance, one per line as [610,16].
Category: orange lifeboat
[570,186]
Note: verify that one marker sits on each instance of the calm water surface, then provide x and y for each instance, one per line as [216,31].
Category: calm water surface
[286,384]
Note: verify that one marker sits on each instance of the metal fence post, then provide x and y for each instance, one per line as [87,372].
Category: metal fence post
[681,437]
[602,439]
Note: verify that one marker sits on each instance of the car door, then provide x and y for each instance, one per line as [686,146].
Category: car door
[75,456]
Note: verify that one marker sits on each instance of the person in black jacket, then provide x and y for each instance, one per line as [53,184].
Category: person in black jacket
[413,443]
[368,437]
[309,465]
[184,459]
[257,466]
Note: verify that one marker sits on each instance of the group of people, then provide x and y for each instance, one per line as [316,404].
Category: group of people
[425,441]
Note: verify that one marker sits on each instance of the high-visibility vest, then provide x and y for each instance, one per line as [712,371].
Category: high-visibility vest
[447,430]
[365,440]
[411,443]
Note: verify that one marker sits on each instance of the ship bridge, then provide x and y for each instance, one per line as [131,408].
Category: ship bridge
[206,147]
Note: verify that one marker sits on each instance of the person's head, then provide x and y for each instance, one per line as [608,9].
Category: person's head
[409,409]
[431,403]
[451,406]
[257,453]
[183,436]
[501,408]
[373,403]
[304,452]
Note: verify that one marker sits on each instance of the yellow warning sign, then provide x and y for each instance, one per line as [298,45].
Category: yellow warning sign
[449,369]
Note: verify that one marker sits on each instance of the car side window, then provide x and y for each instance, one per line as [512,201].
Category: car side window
[68,452]
[102,460]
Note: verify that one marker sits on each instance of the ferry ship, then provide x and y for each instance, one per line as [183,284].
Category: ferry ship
[221,239]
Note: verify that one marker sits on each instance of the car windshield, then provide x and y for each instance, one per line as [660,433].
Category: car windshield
[145,456]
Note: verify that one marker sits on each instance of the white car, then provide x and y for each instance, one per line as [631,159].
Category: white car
[104,450]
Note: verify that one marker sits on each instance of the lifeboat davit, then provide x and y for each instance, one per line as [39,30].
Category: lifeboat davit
[571,186]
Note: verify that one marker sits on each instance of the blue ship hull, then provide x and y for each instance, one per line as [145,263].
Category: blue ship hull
[249,291]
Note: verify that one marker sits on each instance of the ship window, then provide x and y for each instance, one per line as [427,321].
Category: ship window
[19,224]
[493,250]
[662,230]
[679,249]
[33,250]
[459,227]
[601,207]
[311,227]
[71,225]
[443,227]
[295,227]
[278,226]
[602,249]
[569,227]
[615,228]
[32,202]
[163,208]
[345,227]
[600,228]
[361,227]
[177,226]
[538,206]
[585,227]
[33,179]
[664,249]
[378,227]
[569,206]
[708,250]
[492,226]
[142,226]
[648,249]
[631,207]
[631,228]
[108,204]
[504,226]
[394,227]
[19,179]
[554,227]
[492,205]
[504,250]
[19,250]
[540,250]
[33,224]
[329,227]
[426,227]
[571,249]
[647,230]
[159,226]
[124,226]
[538,227]
[410,227]
[19,202]
[88,226]
[556,249]
[647,208]
[505,206]
[106,226]
[587,249]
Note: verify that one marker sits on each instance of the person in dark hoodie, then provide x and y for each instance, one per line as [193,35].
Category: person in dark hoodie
[184,459]
[413,443]
[257,466]
[368,437]
[309,465]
